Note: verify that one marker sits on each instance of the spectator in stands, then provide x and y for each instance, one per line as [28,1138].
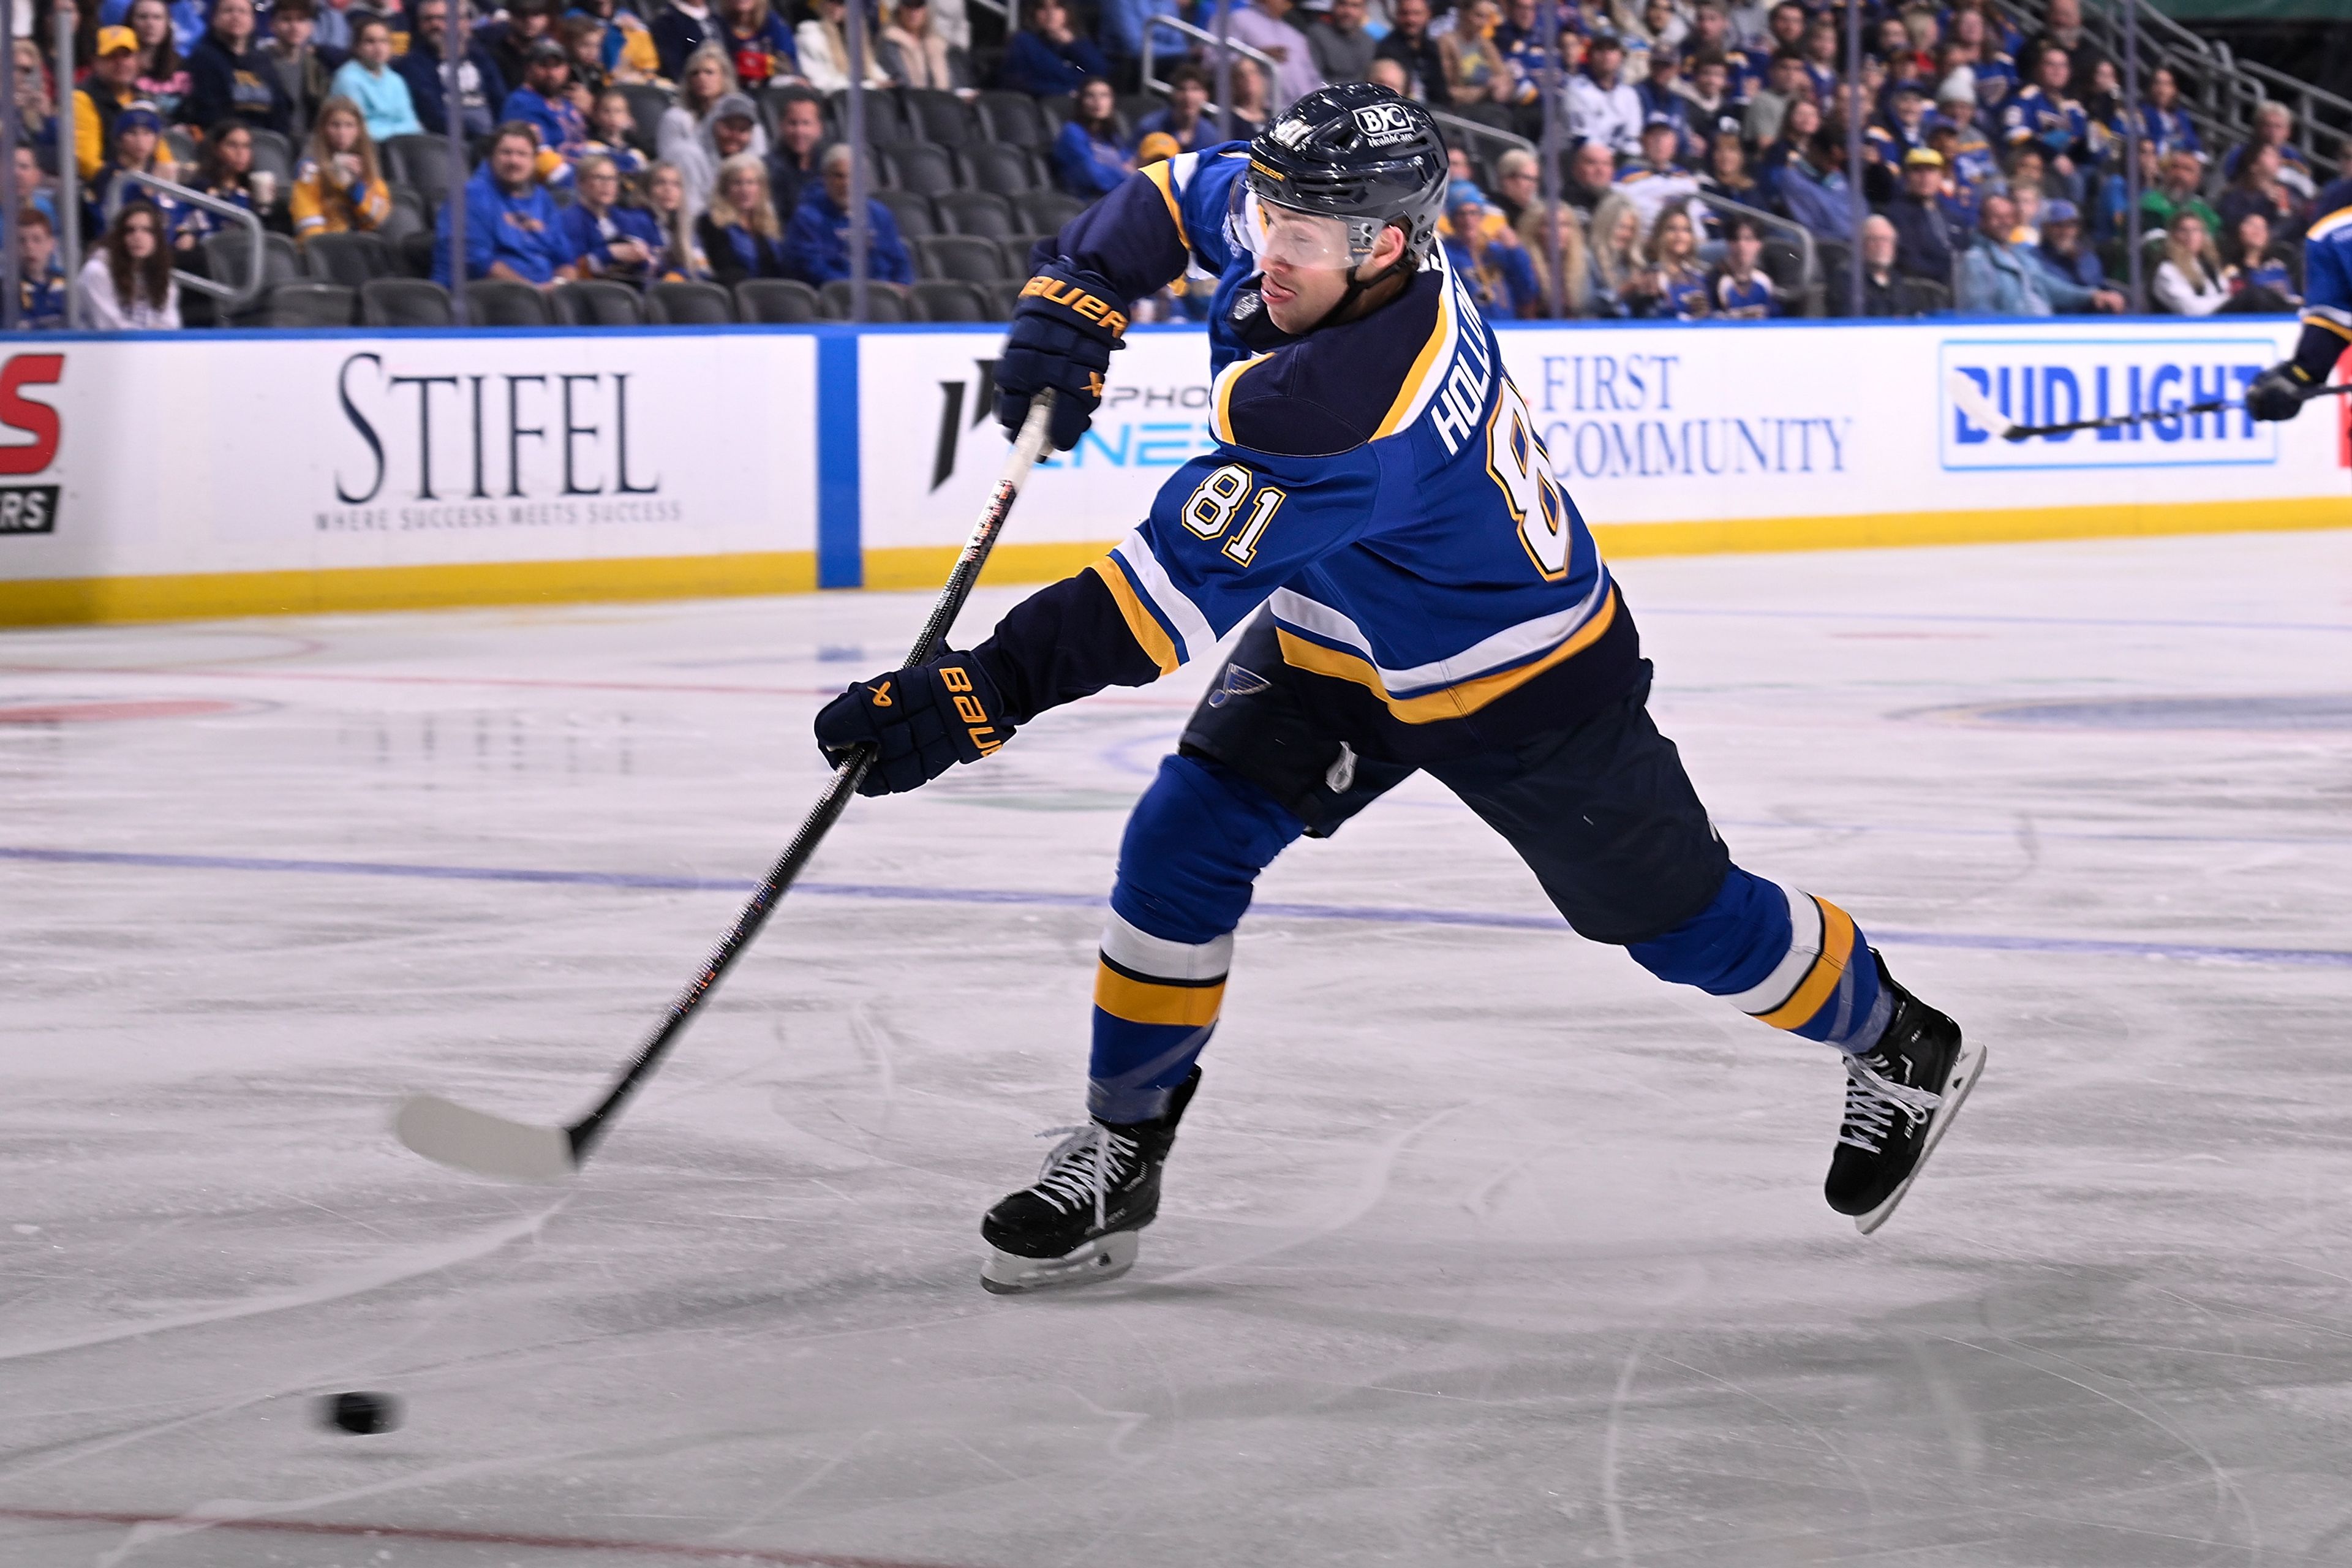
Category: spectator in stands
[681,258]
[303,70]
[1591,175]
[161,77]
[527,25]
[128,285]
[2163,120]
[1121,30]
[613,133]
[1518,180]
[1884,290]
[1601,107]
[710,123]
[369,84]
[2175,188]
[760,46]
[1185,120]
[1662,94]
[480,87]
[738,231]
[1678,285]
[2273,124]
[550,104]
[1820,47]
[1727,173]
[1813,190]
[918,54]
[224,172]
[1047,58]
[332,29]
[513,228]
[1385,72]
[1998,277]
[1784,84]
[583,39]
[2042,116]
[1796,128]
[137,146]
[2260,187]
[1618,266]
[40,279]
[2063,251]
[33,184]
[1970,157]
[2261,279]
[1711,38]
[1249,106]
[817,245]
[2189,279]
[625,51]
[1475,72]
[1263,26]
[1489,262]
[1903,128]
[103,95]
[1739,291]
[678,29]
[1653,181]
[1993,75]
[228,74]
[338,186]
[1409,44]
[1537,237]
[1342,48]
[1708,91]
[793,169]
[1089,154]
[1926,233]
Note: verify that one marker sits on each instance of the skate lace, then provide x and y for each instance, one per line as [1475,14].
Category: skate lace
[1079,1167]
[1872,1102]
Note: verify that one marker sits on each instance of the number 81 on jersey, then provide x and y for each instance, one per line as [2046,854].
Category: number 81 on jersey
[1522,468]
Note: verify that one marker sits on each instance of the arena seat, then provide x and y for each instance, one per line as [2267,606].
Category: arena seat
[404,302]
[777,301]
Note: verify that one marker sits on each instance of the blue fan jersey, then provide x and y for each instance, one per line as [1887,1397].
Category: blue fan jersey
[1378,485]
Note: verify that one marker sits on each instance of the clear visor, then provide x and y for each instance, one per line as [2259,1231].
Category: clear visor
[1279,234]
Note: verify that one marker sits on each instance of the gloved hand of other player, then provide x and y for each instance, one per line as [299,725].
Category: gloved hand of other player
[2278,392]
[1063,329]
[920,721]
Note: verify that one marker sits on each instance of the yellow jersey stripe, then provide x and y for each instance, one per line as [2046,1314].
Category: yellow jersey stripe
[2322,227]
[1146,631]
[1457,701]
[2314,319]
[1424,364]
[1837,948]
[1159,174]
[1140,1002]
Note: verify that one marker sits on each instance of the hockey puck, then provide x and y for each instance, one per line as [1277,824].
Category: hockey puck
[363,1413]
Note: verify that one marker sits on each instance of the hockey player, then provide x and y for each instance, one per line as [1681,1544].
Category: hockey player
[1431,600]
[2279,393]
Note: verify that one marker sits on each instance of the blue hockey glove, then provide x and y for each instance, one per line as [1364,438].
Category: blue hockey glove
[920,722]
[1064,329]
[2278,392]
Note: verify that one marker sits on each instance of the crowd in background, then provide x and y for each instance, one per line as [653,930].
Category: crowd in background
[1696,138]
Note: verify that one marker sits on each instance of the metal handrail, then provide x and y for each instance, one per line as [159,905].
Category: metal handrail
[1472,128]
[1266,62]
[1809,254]
[237,298]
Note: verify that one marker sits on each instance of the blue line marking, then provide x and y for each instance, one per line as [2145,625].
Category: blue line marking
[840,553]
[1370,914]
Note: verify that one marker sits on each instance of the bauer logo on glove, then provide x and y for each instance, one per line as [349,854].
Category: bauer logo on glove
[919,721]
[1066,325]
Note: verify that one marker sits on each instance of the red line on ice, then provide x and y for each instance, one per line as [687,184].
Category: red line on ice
[467,1537]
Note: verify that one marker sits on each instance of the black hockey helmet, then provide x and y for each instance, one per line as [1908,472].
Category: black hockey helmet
[1358,153]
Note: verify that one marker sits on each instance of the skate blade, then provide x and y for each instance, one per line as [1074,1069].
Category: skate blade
[1104,1257]
[1966,1068]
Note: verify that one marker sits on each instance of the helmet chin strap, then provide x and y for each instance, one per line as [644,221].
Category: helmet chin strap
[1357,288]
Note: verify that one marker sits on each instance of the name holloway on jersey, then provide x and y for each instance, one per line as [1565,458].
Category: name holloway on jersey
[1378,485]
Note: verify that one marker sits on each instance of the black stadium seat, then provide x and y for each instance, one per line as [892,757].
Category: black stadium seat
[993,166]
[404,302]
[943,299]
[1044,211]
[688,305]
[598,302]
[885,120]
[913,212]
[884,303]
[962,257]
[421,162]
[1013,116]
[500,303]
[777,301]
[273,152]
[349,259]
[940,117]
[977,212]
[311,305]
[919,167]
[647,104]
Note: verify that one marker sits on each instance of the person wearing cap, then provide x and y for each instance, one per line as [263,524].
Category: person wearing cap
[1653,181]
[1662,95]
[379,93]
[511,40]
[1601,107]
[1903,128]
[230,76]
[1925,234]
[1971,156]
[544,102]
[136,143]
[2062,251]
[514,230]
[104,95]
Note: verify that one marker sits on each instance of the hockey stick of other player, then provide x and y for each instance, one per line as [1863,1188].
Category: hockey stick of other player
[1970,400]
[490,1145]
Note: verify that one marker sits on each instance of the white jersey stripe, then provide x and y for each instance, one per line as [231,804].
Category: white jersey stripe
[1139,951]
[1193,636]
[1510,646]
[1804,946]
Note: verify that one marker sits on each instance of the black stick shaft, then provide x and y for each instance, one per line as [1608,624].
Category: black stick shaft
[2027,432]
[829,806]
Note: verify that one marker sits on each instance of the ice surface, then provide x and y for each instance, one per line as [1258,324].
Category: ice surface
[1480,1247]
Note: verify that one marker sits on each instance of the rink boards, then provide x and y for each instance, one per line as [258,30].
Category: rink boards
[154,476]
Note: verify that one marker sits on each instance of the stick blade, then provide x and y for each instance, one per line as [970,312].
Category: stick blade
[1970,400]
[468,1140]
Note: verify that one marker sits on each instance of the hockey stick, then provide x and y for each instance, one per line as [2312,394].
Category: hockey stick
[490,1145]
[1970,400]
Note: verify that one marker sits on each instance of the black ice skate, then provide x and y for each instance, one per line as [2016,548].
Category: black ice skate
[1077,1224]
[1900,1097]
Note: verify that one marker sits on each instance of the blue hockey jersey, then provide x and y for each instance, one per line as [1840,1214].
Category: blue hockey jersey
[2327,273]
[1379,486]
